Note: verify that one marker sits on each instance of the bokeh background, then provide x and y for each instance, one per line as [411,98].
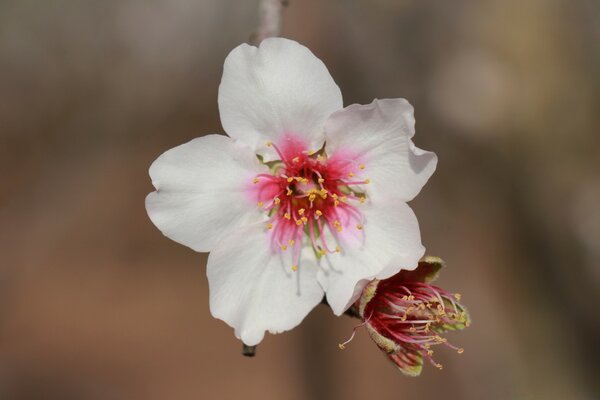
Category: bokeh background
[96,304]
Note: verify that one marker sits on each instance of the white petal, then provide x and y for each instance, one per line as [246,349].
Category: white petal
[202,191]
[379,135]
[254,290]
[392,241]
[276,89]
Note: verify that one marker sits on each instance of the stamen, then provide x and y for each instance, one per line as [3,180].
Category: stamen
[342,346]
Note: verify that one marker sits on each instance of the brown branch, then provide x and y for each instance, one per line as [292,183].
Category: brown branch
[269,20]
[351,312]
[269,25]
[248,351]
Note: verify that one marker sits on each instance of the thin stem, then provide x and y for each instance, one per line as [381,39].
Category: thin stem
[269,20]
[351,312]
[269,25]
[249,351]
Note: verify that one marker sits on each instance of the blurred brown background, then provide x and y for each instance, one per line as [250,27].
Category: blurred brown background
[96,304]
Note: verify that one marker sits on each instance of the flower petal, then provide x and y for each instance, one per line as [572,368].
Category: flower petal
[202,191]
[379,136]
[254,290]
[392,241]
[277,89]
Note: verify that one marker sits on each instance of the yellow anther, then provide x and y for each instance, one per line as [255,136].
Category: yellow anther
[362,199]
[337,249]
[336,223]
[296,159]
[287,216]
[312,197]
[359,227]
[339,228]
[290,179]
[335,196]
[304,219]
[336,203]
[320,180]
[350,174]
[299,222]
[301,211]
[343,198]
[260,203]
[430,352]
[341,346]
[269,226]
[277,200]
[289,192]
[460,350]
[269,144]
[457,296]
[361,166]
[283,247]
[294,268]
[291,242]
[304,180]
[367,181]
[255,180]
[323,196]
[319,213]
[322,252]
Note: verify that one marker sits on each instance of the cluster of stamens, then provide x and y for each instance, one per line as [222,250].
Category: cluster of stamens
[412,316]
[309,194]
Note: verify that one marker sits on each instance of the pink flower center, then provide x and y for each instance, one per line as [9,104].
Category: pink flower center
[313,196]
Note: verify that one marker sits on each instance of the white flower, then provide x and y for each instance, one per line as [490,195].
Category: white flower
[303,198]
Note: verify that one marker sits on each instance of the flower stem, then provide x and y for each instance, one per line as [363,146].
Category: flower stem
[248,351]
[269,20]
[351,312]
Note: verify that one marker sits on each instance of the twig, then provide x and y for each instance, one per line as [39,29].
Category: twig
[269,25]
[351,312]
[249,351]
[269,20]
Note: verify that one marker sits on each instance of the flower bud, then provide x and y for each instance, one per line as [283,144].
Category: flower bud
[405,315]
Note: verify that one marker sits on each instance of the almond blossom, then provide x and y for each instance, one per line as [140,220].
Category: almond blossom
[303,198]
